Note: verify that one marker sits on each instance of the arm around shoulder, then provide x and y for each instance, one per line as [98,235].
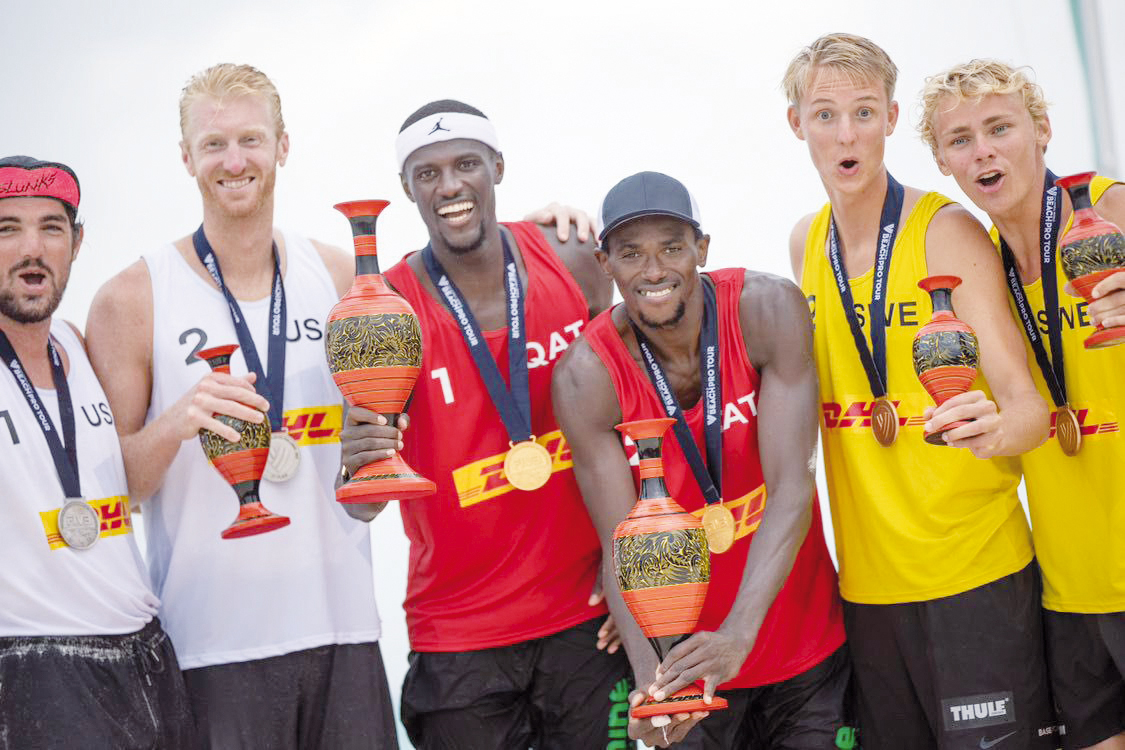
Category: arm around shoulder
[579,258]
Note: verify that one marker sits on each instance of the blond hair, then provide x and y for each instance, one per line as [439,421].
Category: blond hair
[975,80]
[227,79]
[855,56]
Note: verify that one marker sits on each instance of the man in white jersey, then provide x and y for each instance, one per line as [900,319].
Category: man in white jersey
[83,660]
[277,632]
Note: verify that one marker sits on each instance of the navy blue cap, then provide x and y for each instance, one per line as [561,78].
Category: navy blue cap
[645,194]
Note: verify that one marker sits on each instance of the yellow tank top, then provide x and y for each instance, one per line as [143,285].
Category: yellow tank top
[913,521]
[1078,504]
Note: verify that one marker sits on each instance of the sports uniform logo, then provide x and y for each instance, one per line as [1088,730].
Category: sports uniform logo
[314,425]
[1087,429]
[858,414]
[619,717]
[985,710]
[114,512]
[986,743]
[485,479]
[437,126]
[747,511]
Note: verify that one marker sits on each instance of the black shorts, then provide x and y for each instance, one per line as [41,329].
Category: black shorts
[805,712]
[558,692]
[961,672]
[1086,659]
[326,698]
[95,691]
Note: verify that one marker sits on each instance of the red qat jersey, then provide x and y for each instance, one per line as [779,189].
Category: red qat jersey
[804,624]
[491,565]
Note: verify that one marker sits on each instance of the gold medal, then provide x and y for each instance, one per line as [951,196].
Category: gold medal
[1068,430]
[884,421]
[527,465]
[718,525]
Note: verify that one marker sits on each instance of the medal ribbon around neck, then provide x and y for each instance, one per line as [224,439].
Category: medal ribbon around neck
[1050,364]
[874,360]
[66,459]
[709,476]
[514,404]
[273,381]
[1067,428]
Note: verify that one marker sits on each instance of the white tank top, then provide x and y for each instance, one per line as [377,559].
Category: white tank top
[305,585]
[47,588]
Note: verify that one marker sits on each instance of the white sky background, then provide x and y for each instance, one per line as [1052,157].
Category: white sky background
[582,93]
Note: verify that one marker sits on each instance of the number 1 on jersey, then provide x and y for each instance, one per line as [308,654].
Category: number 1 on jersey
[441,375]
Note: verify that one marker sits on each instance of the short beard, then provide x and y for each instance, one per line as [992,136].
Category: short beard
[670,323]
[466,249]
[10,308]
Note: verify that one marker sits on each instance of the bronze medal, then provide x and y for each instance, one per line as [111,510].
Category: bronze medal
[884,421]
[1068,430]
[528,465]
[718,525]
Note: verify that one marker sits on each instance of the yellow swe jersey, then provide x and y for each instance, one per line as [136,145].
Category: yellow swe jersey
[1078,503]
[913,521]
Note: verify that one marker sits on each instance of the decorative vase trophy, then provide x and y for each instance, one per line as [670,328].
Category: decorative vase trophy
[1091,250]
[374,348]
[945,350]
[663,566]
[241,463]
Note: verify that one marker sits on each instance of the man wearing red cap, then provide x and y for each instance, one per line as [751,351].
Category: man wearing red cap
[83,660]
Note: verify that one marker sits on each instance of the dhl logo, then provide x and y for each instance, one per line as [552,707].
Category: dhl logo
[859,415]
[315,424]
[1087,429]
[747,511]
[484,479]
[114,512]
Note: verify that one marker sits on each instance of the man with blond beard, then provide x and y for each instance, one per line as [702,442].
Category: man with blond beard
[987,126]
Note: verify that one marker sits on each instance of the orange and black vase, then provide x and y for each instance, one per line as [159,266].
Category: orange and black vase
[1090,251]
[946,352]
[374,348]
[663,566]
[241,463]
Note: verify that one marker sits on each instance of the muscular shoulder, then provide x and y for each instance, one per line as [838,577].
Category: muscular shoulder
[1111,206]
[773,312]
[797,239]
[579,259]
[582,377]
[125,298]
[953,230]
[340,265]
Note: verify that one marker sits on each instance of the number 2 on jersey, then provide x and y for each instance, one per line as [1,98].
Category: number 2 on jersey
[441,375]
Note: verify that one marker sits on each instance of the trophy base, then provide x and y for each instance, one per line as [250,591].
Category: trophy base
[388,479]
[253,518]
[935,438]
[681,702]
[1105,337]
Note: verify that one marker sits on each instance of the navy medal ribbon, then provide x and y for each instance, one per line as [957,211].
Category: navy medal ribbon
[709,476]
[514,404]
[271,383]
[65,457]
[874,360]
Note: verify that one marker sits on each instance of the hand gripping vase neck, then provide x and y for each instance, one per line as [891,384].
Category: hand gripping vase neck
[1090,251]
[240,463]
[663,566]
[945,350]
[374,350]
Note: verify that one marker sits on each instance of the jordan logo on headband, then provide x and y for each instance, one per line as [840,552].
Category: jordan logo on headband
[437,127]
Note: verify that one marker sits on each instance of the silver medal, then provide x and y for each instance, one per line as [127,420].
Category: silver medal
[79,524]
[284,458]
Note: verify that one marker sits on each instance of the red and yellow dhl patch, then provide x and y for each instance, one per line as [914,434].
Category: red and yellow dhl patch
[315,424]
[1087,429]
[858,414]
[484,479]
[747,511]
[116,517]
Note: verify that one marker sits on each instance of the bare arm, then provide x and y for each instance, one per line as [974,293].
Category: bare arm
[778,337]
[578,257]
[341,265]
[957,244]
[607,488]
[119,340]
[797,246]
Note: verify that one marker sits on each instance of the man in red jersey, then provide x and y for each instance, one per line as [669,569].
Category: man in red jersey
[732,352]
[503,629]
